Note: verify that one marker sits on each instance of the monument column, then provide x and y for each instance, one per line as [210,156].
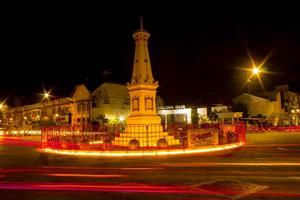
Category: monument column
[143,127]
[142,88]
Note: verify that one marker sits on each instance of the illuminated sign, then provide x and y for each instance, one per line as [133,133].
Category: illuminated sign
[177,107]
[202,137]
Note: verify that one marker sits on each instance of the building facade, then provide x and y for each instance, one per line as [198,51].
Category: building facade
[73,110]
[259,106]
[184,114]
[111,103]
[280,106]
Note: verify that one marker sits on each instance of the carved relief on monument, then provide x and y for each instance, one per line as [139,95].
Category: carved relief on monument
[148,103]
[135,104]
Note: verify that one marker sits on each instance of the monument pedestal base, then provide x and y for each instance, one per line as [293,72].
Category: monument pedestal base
[143,120]
[145,131]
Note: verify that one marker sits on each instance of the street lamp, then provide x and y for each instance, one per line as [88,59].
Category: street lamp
[46,95]
[3,107]
[255,72]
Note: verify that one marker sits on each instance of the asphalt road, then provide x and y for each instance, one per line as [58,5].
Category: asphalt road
[262,169]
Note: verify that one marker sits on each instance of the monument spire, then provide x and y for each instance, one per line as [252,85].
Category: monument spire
[142,72]
[141,23]
[142,88]
[143,118]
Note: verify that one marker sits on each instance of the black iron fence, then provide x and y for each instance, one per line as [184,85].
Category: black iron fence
[133,137]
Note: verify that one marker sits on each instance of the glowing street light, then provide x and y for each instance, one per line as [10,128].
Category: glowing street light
[3,106]
[46,95]
[255,70]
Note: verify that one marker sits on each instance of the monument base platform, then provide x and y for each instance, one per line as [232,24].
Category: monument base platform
[143,120]
[144,139]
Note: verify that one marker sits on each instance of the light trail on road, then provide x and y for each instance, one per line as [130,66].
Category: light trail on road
[96,187]
[88,175]
[15,141]
[105,168]
[135,188]
[228,164]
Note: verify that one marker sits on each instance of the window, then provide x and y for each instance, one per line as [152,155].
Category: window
[135,104]
[83,107]
[78,120]
[79,107]
[126,101]
[149,103]
[106,100]
[88,107]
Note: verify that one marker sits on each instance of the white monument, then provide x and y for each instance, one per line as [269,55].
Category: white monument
[143,123]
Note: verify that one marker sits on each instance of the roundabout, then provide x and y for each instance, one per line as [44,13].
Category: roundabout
[142,134]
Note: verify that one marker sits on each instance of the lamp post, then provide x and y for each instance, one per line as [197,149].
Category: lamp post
[295,116]
[2,106]
[298,115]
[46,96]
[254,71]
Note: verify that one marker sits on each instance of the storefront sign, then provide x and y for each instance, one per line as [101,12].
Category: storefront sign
[202,137]
[64,118]
[171,107]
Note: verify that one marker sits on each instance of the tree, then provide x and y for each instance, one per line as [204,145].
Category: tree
[195,116]
[213,116]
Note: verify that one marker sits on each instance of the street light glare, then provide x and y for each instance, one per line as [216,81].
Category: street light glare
[46,95]
[255,70]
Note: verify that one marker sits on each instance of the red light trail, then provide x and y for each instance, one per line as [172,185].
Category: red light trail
[134,188]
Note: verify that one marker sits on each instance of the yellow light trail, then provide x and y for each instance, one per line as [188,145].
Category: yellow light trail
[144,153]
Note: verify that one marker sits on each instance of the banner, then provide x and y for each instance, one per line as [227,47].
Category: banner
[202,137]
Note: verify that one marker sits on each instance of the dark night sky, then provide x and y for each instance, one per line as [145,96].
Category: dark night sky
[194,50]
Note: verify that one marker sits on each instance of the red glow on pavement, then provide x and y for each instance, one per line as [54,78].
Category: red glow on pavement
[135,188]
[230,164]
[96,187]
[18,141]
[106,168]
[88,175]
[47,169]
[271,145]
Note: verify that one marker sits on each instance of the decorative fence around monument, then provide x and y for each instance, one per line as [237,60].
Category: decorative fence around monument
[139,137]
